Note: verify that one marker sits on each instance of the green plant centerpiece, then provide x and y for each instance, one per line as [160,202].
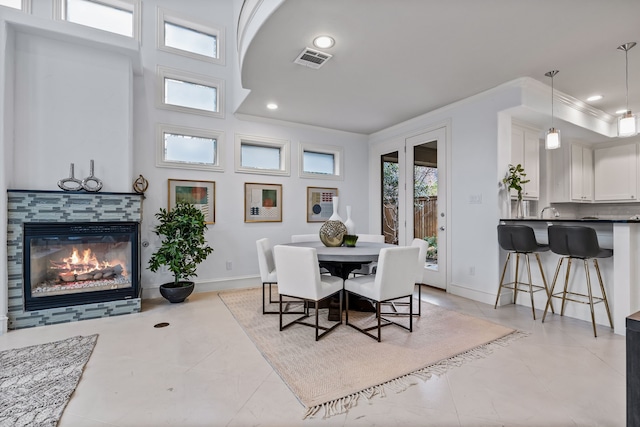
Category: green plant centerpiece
[515,178]
[183,247]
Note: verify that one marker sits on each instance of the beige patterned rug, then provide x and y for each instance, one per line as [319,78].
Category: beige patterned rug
[36,382]
[330,375]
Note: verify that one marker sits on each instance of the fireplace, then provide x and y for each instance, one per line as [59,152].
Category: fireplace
[90,216]
[74,263]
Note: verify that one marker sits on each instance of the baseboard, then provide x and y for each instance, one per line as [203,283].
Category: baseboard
[480,296]
[240,282]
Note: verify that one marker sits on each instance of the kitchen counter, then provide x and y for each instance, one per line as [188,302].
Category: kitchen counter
[579,220]
[621,273]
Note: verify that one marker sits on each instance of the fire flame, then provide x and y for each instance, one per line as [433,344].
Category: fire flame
[85,263]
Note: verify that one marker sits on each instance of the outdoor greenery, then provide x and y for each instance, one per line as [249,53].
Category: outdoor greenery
[515,179]
[432,251]
[183,244]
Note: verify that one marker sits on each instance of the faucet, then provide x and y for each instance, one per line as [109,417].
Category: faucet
[554,210]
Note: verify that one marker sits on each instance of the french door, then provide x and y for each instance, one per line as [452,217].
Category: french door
[414,198]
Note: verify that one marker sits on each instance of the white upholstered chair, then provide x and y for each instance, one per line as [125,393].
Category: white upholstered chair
[373,238]
[299,277]
[296,238]
[423,246]
[394,279]
[268,273]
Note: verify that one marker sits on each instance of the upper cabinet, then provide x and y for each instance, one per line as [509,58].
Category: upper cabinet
[616,173]
[525,150]
[571,174]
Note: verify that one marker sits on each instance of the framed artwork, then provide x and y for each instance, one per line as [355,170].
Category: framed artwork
[201,194]
[320,203]
[262,202]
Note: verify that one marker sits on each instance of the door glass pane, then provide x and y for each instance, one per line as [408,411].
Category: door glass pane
[425,198]
[390,173]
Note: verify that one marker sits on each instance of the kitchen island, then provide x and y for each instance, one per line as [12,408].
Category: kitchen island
[621,273]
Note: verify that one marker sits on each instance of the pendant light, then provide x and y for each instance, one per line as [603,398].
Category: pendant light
[628,122]
[552,140]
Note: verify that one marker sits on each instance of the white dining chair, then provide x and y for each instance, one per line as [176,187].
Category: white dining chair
[423,247]
[299,277]
[296,238]
[394,279]
[268,273]
[372,238]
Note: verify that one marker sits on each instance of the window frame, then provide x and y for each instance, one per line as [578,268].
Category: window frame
[25,6]
[133,6]
[282,144]
[218,32]
[163,128]
[338,158]
[185,76]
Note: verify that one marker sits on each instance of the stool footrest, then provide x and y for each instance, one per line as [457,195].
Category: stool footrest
[585,297]
[523,287]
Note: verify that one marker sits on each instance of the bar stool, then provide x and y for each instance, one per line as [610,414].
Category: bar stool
[577,242]
[521,241]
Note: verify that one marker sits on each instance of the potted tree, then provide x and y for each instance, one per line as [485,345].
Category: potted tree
[183,247]
[514,180]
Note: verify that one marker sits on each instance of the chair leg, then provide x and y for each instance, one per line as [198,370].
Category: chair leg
[410,313]
[504,270]
[533,308]
[380,318]
[419,299]
[604,294]
[590,294]
[544,279]
[515,283]
[566,285]
[553,286]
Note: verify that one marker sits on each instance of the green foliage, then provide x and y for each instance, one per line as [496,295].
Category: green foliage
[515,179]
[432,251]
[183,244]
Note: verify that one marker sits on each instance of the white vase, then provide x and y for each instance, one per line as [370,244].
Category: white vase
[334,215]
[351,226]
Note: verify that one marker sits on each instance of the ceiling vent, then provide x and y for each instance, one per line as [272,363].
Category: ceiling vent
[312,58]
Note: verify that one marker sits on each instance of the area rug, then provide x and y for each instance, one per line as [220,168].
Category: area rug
[36,382]
[329,376]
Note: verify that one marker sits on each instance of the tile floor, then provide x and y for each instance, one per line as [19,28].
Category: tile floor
[203,370]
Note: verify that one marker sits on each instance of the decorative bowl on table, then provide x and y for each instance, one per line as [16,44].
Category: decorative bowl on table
[350,240]
[332,233]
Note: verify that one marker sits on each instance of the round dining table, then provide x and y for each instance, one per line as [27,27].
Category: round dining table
[340,261]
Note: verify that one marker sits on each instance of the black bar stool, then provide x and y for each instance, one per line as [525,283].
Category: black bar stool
[574,242]
[521,240]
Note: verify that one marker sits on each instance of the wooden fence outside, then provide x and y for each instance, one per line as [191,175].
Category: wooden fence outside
[425,219]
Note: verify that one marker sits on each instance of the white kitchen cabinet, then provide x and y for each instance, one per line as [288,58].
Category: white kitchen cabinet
[571,174]
[525,150]
[616,173]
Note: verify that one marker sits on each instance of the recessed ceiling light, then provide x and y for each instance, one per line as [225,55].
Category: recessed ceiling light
[323,42]
[594,98]
[272,106]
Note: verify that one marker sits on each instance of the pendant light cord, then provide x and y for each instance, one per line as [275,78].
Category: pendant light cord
[626,74]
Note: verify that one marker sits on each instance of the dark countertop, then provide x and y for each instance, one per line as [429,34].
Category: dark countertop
[579,220]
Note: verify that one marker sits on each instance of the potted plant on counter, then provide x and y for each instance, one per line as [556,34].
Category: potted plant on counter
[183,247]
[514,180]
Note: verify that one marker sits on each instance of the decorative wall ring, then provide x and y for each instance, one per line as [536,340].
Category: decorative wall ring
[140,185]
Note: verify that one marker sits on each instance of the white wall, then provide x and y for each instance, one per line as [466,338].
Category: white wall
[477,141]
[72,104]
